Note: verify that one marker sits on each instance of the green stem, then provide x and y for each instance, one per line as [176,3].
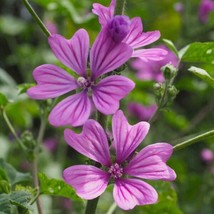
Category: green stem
[194,140]
[36,17]
[120,7]
[35,161]
[112,208]
[13,130]
[91,206]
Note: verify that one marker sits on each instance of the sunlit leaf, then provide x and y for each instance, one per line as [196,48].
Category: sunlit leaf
[171,46]
[202,74]
[3,100]
[202,52]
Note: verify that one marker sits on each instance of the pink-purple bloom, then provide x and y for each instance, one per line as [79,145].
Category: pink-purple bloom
[126,169]
[152,70]
[105,56]
[141,112]
[205,8]
[207,155]
[130,31]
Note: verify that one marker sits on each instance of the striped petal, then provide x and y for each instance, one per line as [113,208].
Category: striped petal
[74,110]
[127,137]
[92,142]
[74,52]
[52,82]
[88,181]
[109,91]
[150,163]
[131,192]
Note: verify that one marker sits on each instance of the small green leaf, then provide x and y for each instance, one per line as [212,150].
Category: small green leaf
[171,46]
[21,199]
[51,186]
[202,74]
[3,100]
[200,52]
[4,204]
[14,177]
[4,186]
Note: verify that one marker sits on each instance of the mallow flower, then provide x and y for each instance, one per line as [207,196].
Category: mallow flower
[130,32]
[126,169]
[104,93]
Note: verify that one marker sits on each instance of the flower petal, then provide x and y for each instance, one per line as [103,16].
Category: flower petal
[136,38]
[131,192]
[52,82]
[107,55]
[104,13]
[109,91]
[72,53]
[127,137]
[150,163]
[74,110]
[88,181]
[154,54]
[92,142]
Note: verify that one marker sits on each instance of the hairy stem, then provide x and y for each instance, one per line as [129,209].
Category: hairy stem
[194,140]
[36,17]
[120,7]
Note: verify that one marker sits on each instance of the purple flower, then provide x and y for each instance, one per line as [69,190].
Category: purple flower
[152,70]
[207,155]
[125,170]
[141,112]
[129,32]
[52,81]
[206,6]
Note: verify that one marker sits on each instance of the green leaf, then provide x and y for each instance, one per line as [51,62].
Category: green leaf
[3,100]
[199,52]
[21,199]
[14,177]
[171,46]
[4,186]
[4,204]
[202,74]
[51,186]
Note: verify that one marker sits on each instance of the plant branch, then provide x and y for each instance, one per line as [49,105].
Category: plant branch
[19,141]
[36,17]
[120,7]
[194,140]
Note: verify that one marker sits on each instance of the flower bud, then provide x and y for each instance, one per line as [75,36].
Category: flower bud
[169,71]
[119,27]
[172,91]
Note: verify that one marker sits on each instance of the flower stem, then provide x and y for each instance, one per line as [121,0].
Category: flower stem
[36,17]
[19,141]
[112,208]
[194,140]
[91,206]
[120,7]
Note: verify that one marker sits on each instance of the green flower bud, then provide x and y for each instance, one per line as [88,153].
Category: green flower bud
[169,71]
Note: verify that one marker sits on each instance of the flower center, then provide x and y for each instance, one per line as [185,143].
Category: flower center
[83,83]
[116,171]
[119,27]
